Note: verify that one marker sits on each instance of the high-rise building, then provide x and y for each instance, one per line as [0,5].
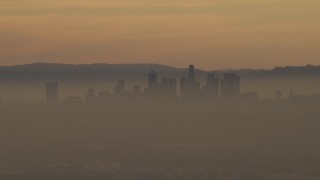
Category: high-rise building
[183,88]
[153,80]
[230,85]
[189,87]
[191,74]
[91,95]
[164,84]
[212,87]
[52,93]
[120,88]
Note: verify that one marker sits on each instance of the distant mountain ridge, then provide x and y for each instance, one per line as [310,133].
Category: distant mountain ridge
[52,68]
[286,71]
[42,70]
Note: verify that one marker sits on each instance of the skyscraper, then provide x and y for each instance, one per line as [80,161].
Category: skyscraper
[164,84]
[52,93]
[230,85]
[120,88]
[191,74]
[91,95]
[153,80]
[189,87]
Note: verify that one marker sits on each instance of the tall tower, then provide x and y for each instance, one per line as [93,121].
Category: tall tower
[121,87]
[52,93]
[191,75]
[189,87]
[230,85]
[153,80]
[91,95]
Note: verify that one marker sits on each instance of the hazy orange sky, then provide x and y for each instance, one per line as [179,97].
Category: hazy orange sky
[212,34]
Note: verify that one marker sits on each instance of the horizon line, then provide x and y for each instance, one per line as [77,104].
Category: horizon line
[158,64]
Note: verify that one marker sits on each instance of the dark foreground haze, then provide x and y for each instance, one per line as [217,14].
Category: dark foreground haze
[171,130]
[260,140]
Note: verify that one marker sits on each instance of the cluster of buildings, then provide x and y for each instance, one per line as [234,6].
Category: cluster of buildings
[165,88]
[228,87]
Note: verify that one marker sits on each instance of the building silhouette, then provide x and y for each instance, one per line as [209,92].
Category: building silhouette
[153,81]
[191,74]
[52,93]
[230,86]
[121,87]
[166,88]
[164,91]
[91,95]
[189,87]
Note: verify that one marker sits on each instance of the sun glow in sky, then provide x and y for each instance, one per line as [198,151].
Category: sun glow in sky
[212,34]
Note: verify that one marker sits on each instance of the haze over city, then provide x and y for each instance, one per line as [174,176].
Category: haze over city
[159,90]
[168,125]
[214,34]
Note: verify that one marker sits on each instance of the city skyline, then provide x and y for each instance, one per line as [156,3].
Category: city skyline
[159,89]
[171,90]
[210,134]
[24,83]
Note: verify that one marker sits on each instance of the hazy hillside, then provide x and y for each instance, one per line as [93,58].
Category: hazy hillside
[46,70]
[279,72]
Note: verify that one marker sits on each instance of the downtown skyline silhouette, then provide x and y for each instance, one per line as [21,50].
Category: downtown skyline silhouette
[173,128]
[159,90]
